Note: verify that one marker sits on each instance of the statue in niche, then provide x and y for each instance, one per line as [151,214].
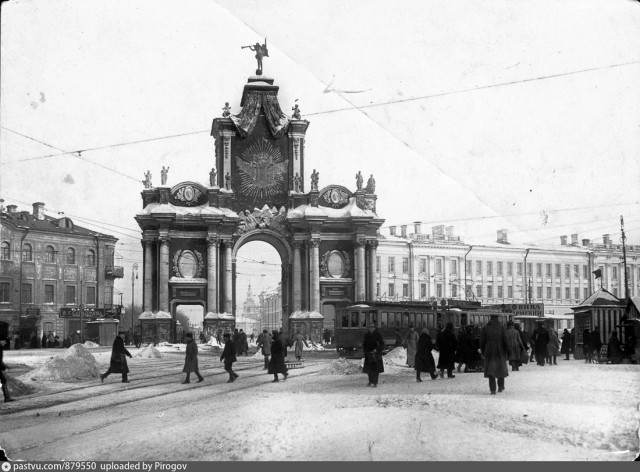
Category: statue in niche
[371,185]
[297,183]
[261,51]
[227,181]
[315,176]
[212,177]
[296,112]
[163,175]
[147,179]
[226,110]
[359,180]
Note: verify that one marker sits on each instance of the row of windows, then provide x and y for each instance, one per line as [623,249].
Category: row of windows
[439,265]
[49,254]
[26,294]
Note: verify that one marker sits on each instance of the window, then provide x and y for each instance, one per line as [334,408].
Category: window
[108,296]
[468,268]
[489,291]
[567,271]
[489,268]
[614,272]
[49,294]
[586,293]
[585,272]
[538,270]
[91,296]
[27,253]
[5,253]
[423,266]
[423,291]
[405,290]
[70,295]
[567,293]
[438,266]
[454,266]
[615,291]
[576,292]
[71,256]
[377,263]
[405,265]
[49,255]
[27,293]
[558,271]
[499,269]
[529,269]
[391,290]
[91,258]
[478,267]
[558,293]
[548,293]
[549,273]
[378,289]
[509,269]
[479,291]
[5,292]
[392,265]
[500,291]
[509,291]
[539,293]
[519,268]
[454,291]
[439,293]
[576,271]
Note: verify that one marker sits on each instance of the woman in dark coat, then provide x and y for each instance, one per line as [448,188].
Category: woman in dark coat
[540,341]
[514,346]
[447,346]
[229,357]
[118,363]
[596,343]
[424,361]
[566,344]
[276,364]
[372,346]
[467,351]
[614,352]
[191,360]
[493,342]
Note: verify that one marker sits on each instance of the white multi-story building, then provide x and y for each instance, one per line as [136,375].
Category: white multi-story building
[418,266]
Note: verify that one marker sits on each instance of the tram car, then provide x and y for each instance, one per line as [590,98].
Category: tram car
[351,321]
[558,322]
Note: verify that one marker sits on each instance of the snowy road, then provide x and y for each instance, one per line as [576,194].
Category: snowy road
[571,411]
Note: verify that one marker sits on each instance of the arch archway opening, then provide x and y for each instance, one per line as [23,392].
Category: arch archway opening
[189,318]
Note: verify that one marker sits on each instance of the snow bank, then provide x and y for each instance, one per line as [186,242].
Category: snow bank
[17,388]
[149,352]
[341,367]
[73,364]
[395,357]
[90,344]
[313,347]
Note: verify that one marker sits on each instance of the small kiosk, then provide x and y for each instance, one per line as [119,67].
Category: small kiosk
[155,327]
[102,331]
[216,324]
[308,323]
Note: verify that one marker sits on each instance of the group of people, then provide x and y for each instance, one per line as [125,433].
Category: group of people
[240,342]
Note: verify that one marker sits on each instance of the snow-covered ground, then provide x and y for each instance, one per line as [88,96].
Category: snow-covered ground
[324,411]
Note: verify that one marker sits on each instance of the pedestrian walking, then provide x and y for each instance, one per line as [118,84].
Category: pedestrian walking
[566,344]
[44,341]
[372,345]
[118,364]
[229,357]
[3,377]
[191,360]
[553,346]
[526,340]
[614,351]
[540,341]
[236,342]
[446,343]
[264,343]
[410,343]
[424,361]
[514,346]
[587,348]
[493,343]
[467,352]
[298,343]
[276,364]
[244,345]
[596,343]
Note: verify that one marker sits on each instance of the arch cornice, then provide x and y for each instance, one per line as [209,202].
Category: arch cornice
[268,236]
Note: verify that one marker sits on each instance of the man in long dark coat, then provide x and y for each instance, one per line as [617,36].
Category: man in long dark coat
[118,364]
[447,343]
[540,341]
[424,361]
[372,345]
[566,344]
[3,378]
[276,364]
[191,360]
[264,343]
[587,350]
[229,357]
[467,352]
[493,343]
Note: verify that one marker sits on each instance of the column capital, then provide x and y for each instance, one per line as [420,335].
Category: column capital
[360,242]
[212,241]
[164,238]
[314,242]
[296,244]
[373,243]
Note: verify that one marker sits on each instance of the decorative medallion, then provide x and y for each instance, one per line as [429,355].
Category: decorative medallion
[188,194]
[263,171]
[188,264]
[335,264]
[334,196]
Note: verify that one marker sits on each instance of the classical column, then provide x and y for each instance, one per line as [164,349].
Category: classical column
[212,274]
[315,275]
[360,271]
[228,278]
[373,245]
[163,270]
[147,302]
[297,278]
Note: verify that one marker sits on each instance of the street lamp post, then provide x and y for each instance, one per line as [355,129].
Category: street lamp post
[134,276]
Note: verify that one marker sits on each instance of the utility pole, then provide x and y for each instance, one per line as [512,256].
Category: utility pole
[134,276]
[623,238]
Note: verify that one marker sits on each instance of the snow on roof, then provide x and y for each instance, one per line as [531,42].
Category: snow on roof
[219,316]
[305,315]
[600,297]
[157,208]
[351,209]
[149,315]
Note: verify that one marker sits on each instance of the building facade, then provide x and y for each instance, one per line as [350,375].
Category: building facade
[419,266]
[271,309]
[54,275]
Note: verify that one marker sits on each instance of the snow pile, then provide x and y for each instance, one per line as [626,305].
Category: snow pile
[214,342]
[396,357]
[74,363]
[313,346]
[149,352]
[90,344]
[341,367]
[17,388]
[258,355]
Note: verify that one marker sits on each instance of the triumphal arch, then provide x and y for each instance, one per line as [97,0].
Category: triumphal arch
[256,191]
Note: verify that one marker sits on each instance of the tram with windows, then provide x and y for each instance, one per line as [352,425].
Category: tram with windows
[351,321]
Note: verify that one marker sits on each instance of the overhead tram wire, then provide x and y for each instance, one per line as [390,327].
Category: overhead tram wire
[77,153]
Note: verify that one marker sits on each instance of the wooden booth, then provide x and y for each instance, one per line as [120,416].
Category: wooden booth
[216,324]
[308,323]
[102,332]
[155,327]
